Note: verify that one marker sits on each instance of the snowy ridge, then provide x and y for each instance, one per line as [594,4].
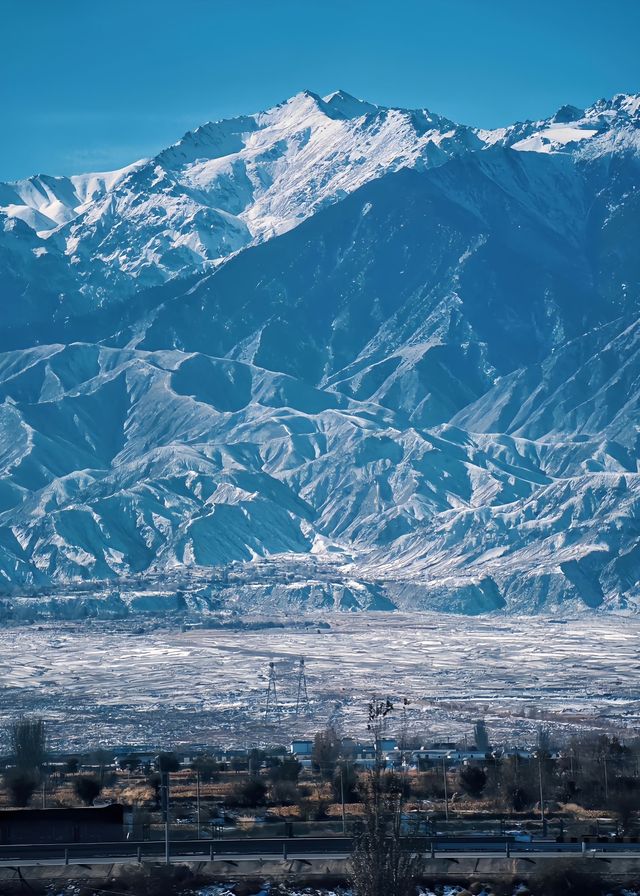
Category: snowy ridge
[222,187]
[413,382]
[45,202]
[231,183]
[243,464]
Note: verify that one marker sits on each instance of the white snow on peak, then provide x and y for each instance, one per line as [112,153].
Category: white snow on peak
[230,183]
[549,139]
[605,120]
[45,202]
[224,186]
[620,104]
[348,105]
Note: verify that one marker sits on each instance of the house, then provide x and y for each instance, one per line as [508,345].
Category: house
[233,754]
[517,752]
[366,757]
[440,752]
[429,754]
[469,756]
[301,749]
[78,825]
[135,758]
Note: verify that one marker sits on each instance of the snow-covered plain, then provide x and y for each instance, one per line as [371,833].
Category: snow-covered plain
[110,685]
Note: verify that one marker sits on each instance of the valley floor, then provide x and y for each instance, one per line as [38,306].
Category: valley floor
[111,683]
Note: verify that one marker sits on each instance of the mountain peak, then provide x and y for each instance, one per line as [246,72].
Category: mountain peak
[624,104]
[338,104]
[568,113]
[303,100]
[348,105]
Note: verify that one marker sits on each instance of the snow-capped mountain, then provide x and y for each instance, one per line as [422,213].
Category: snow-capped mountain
[221,187]
[329,355]
[232,183]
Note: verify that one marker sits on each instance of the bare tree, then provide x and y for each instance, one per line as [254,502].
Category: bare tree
[544,739]
[624,800]
[326,750]
[383,863]
[28,741]
[481,736]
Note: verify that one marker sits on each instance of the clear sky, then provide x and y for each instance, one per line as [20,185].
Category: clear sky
[95,84]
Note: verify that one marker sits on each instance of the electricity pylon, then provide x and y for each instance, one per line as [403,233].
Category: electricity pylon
[303,698]
[272,694]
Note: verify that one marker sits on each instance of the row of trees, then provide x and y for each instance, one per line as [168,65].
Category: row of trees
[595,772]
[28,743]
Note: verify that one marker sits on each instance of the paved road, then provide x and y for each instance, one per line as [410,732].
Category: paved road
[89,853]
[306,848]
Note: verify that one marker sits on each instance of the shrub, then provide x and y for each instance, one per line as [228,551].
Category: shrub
[284,793]
[565,880]
[313,809]
[520,799]
[345,782]
[21,785]
[286,770]
[427,786]
[472,779]
[168,762]
[72,764]
[87,789]
[249,793]
[155,782]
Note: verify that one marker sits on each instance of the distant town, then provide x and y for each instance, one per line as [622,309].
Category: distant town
[586,787]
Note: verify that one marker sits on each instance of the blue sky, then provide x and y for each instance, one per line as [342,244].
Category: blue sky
[94,84]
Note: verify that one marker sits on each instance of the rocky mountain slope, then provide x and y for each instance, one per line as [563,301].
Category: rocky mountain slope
[328,355]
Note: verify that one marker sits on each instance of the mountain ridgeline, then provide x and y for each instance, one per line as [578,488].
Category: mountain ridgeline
[329,355]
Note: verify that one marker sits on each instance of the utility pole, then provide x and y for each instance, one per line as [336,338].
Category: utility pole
[198,800]
[606,777]
[446,791]
[344,823]
[542,815]
[403,742]
[167,850]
